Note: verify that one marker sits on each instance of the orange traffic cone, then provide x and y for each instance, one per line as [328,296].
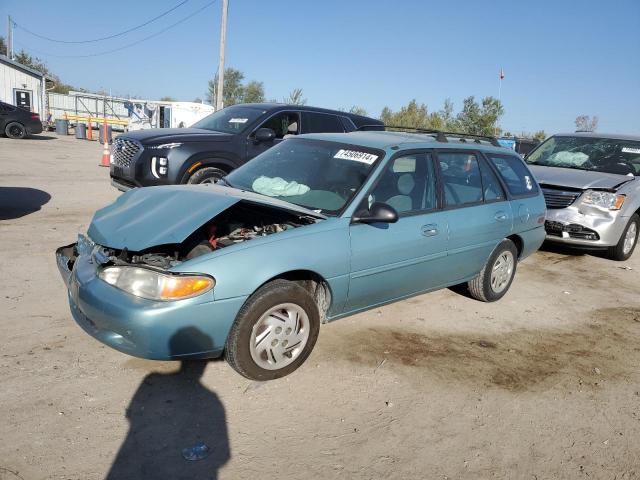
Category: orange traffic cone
[106,156]
[89,130]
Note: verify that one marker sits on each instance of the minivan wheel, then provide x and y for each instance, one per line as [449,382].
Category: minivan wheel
[628,240]
[495,278]
[15,130]
[206,175]
[274,332]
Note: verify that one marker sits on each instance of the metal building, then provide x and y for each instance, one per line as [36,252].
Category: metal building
[23,86]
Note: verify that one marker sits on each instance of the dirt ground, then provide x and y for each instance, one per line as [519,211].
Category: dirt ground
[544,384]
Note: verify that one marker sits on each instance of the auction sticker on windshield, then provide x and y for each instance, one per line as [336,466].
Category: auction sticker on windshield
[630,150]
[356,156]
[238,120]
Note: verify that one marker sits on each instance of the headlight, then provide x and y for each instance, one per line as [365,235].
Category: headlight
[606,200]
[164,145]
[146,283]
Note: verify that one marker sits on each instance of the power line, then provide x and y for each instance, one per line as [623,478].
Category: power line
[101,38]
[134,43]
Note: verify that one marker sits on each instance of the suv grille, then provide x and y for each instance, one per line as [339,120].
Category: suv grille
[559,198]
[125,151]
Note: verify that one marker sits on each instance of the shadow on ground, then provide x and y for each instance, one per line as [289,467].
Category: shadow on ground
[16,202]
[168,413]
[41,137]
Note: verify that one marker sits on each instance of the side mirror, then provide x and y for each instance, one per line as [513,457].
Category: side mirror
[378,213]
[264,135]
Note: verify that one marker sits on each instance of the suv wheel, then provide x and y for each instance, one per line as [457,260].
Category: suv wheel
[274,332]
[495,278]
[15,130]
[628,240]
[206,175]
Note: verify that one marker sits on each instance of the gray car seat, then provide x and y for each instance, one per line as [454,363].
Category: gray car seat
[403,202]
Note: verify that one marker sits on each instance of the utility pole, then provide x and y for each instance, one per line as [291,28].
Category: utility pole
[223,37]
[10,38]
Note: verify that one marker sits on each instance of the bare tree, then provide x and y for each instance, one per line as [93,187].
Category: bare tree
[585,123]
[295,98]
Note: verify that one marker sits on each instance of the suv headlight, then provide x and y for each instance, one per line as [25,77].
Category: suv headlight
[608,200]
[147,283]
[162,146]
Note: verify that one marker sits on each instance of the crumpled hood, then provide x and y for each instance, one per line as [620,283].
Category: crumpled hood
[146,217]
[166,135]
[582,179]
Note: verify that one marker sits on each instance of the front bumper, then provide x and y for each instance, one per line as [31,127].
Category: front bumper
[579,227]
[191,328]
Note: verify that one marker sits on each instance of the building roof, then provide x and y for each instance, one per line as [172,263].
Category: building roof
[7,61]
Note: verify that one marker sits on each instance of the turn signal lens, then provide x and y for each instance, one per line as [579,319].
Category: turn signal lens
[176,287]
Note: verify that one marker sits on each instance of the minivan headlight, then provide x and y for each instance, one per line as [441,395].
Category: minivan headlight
[608,200]
[147,283]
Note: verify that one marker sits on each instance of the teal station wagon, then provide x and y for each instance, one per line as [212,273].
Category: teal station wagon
[317,228]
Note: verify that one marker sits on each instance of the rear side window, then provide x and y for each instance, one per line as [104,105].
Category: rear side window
[515,174]
[492,190]
[461,178]
[321,123]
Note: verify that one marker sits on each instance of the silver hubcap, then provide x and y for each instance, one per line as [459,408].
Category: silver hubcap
[279,336]
[502,271]
[630,238]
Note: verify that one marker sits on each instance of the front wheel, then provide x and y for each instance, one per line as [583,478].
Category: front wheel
[206,175]
[274,332]
[495,278]
[15,130]
[628,240]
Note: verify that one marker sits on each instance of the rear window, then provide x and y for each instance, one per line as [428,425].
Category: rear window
[515,174]
[321,123]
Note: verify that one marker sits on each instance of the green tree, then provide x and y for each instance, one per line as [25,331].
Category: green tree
[232,88]
[357,110]
[34,62]
[295,98]
[3,46]
[412,115]
[480,120]
[167,99]
[253,92]
[197,100]
[540,135]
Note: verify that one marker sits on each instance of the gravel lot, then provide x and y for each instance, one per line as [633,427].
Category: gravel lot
[543,384]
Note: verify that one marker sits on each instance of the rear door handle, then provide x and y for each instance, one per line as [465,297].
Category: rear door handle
[500,216]
[430,230]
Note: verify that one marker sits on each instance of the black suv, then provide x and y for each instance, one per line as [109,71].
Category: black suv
[218,143]
[16,122]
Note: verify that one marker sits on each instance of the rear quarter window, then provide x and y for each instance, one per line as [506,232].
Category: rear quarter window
[321,123]
[515,174]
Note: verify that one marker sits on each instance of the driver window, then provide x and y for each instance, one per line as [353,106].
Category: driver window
[283,124]
[408,184]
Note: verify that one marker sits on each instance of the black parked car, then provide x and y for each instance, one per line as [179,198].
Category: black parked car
[218,143]
[16,122]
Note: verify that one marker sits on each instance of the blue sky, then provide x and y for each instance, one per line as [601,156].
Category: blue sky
[561,58]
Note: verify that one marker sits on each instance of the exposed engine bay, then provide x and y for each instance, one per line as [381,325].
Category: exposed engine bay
[239,223]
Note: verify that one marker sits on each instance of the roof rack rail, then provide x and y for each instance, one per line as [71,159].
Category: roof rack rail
[440,135]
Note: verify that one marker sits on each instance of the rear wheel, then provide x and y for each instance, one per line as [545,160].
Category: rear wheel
[493,282]
[206,175]
[628,240]
[15,130]
[274,332]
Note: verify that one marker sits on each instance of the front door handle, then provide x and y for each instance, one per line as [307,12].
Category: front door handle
[430,230]
[500,216]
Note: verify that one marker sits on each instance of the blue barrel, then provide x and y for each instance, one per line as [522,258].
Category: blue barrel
[62,127]
[102,134]
[81,131]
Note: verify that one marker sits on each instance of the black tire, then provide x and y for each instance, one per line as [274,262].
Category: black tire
[237,347]
[480,287]
[15,130]
[617,252]
[206,175]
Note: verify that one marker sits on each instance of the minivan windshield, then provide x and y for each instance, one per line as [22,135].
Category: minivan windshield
[319,175]
[606,155]
[233,119]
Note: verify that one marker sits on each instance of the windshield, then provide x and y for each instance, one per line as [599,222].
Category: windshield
[587,153]
[319,175]
[229,120]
